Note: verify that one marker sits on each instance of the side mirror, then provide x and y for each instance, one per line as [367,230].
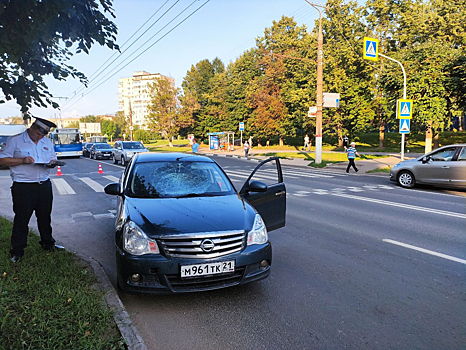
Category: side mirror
[113,188]
[257,186]
[425,159]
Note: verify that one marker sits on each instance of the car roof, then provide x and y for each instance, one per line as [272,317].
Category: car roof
[170,157]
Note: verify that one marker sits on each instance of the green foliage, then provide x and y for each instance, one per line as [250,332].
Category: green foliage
[48,302]
[36,39]
[271,86]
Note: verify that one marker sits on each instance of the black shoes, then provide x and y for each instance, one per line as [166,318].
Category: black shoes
[357,170]
[16,258]
[54,247]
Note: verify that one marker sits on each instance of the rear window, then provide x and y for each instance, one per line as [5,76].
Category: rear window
[103,146]
[133,145]
[177,179]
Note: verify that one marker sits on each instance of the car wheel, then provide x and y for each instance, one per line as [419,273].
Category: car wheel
[123,161]
[115,161]
[406,179]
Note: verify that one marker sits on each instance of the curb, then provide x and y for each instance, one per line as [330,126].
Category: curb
[129,333]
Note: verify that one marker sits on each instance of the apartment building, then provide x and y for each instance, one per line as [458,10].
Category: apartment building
[134,97]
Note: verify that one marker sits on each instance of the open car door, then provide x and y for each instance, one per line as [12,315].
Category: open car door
[265,191]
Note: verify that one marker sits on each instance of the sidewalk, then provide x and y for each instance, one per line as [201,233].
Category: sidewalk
[364,166]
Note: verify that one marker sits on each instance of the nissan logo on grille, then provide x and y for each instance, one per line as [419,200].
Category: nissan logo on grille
[207,245]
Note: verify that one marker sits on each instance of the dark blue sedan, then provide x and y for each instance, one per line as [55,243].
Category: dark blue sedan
[182,227]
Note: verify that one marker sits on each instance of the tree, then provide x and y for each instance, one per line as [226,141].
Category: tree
[164,109]
[36,39]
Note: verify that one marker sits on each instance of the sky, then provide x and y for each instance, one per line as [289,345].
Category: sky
[220,28]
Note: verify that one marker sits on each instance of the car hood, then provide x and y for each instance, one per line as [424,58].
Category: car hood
[164,216]
[407,162]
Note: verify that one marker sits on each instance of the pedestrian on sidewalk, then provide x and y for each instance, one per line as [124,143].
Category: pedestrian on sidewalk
[306,143]
[195,146]
[352,153]
[345,142]
[30,156]
[246,148]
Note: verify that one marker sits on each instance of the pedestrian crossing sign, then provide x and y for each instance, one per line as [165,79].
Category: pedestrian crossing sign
[405,126]
[371,49]
[404,109]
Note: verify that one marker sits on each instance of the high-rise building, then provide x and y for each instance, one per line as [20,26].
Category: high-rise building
[134,97]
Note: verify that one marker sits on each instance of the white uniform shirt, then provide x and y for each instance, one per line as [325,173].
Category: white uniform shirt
[21,146]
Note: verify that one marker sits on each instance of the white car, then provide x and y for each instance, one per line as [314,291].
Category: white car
[123,151]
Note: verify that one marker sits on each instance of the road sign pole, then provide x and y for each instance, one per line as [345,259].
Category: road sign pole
[404,97]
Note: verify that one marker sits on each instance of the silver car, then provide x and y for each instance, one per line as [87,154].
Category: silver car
[446,166]
[123,151]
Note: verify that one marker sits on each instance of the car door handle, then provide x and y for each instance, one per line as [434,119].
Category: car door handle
[280,193]
[445,167]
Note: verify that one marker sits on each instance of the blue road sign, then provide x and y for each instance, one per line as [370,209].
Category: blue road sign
[371,49]
[405,126]
[405,109]
[241,126]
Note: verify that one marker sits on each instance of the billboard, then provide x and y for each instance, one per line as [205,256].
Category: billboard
[90,128]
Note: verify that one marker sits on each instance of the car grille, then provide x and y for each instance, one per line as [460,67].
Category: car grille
[205,283]
[190,245]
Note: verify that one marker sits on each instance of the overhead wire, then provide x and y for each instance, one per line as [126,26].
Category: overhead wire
[176,26]
[122,53]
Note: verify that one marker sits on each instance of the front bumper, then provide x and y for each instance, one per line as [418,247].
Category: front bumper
[159,274]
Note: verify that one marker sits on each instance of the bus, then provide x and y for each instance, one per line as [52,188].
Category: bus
[67,142]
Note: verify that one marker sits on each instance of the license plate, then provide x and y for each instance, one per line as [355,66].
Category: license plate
[207,269]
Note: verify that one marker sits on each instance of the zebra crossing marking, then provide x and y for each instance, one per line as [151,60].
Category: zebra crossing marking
[63,187]
[112,178]
[92,184]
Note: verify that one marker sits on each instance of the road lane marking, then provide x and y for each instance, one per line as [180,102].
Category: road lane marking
[112,178]
[63,187]
[431,252]
[92,184]
[404,206]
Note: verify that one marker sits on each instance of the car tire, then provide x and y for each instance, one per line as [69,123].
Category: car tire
[406,179]
[123,161]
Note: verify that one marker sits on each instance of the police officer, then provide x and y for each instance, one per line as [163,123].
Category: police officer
[30,156]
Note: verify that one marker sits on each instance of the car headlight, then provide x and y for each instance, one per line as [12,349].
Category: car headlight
[258,234]
[129,154]
[136,242]
[396,165]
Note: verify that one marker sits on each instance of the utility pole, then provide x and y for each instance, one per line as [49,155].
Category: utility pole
[319,92]
[130,121]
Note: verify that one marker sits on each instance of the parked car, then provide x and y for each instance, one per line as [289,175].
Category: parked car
[100,151]
[445,166]
[123,151]
[181,225]
[86,149]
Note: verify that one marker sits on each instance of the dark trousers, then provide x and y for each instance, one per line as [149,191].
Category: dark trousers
[351,164]
[27,198]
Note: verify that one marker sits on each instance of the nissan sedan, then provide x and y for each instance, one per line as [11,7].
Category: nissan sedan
[182,227]
[445,167]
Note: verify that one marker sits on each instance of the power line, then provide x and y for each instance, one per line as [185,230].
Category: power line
[192,13]
[83,87]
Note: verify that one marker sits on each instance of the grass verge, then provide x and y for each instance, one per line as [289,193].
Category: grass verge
[385,170]
[49,300]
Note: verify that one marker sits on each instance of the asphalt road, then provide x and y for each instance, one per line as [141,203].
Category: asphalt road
[347,269]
